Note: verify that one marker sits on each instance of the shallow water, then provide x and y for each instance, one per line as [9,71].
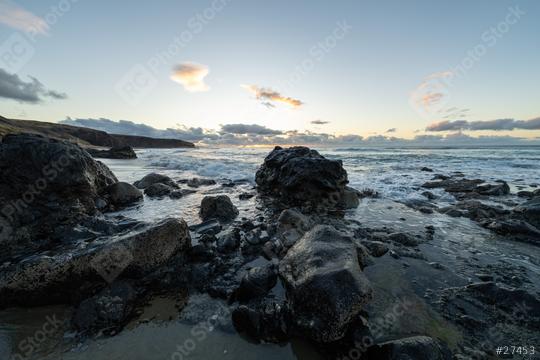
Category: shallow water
[460,244]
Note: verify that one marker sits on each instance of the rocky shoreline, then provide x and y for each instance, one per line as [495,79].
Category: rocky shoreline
[298,267]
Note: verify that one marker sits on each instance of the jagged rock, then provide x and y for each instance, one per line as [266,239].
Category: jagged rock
[268,321]
[228,240]
[218,207]
[300,176]
[56,277]
[158,190]
[403,239]
[107,310]
[44,182]
[154,178]
[257,282]
[376,248]
[530,210]
[325,284]
[207,227]
[122,194]
[124,152]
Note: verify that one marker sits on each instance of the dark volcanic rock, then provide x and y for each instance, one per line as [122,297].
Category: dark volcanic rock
[57,277]
[325,286]
[44,182]
[158,190]
[530,210]
[257,282]
[107,310]
[300,176]
[124,152]
[218,207]
[196,182]
[122,194]
[154,178]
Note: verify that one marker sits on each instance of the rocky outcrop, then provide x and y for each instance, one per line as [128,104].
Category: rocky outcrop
[463,188]
[530,210]
[57,277]
[44,182]
[325,285]
[124,152]
[218,207]
[299,176]
[85,136]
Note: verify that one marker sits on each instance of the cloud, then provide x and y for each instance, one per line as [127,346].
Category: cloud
[391,130]
[497,125]
[268,96]
[249,129]
[240,134]
[320,122]
[33,91]
[18,18]
[191,76]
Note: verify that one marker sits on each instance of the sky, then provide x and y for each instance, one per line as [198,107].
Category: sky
[344,69]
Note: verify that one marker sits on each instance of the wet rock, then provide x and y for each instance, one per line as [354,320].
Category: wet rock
[530,211]
[218,207]
[107,310]
[207,227]
[48,278]
[257,282]
[177,194]
[325,285]
[300,176]
[123,194]
[429,195]
[426,169]
[293,219]
[196,182]
[124,152]
[375,248]
[228,240]
[45,182]
[403,239]
[417,348]
[154,178]
[245,196]
[158,190]
[499,189]
[267,321]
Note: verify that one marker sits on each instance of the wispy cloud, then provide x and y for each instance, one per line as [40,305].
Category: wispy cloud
[268,96]
[320,122]
[497,125]
[18,18]
[33,91]
[191,76]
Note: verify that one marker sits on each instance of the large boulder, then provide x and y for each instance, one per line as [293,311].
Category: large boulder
[217,207]
[154,178]
[325,284]
[44,182]
[49,277]
[123,194]
[301,176]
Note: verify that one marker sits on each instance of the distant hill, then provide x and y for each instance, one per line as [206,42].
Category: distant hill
[85,136]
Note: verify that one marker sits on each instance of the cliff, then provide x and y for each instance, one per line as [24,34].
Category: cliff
[85,136]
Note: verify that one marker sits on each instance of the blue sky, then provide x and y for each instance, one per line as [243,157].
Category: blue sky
[354,64]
